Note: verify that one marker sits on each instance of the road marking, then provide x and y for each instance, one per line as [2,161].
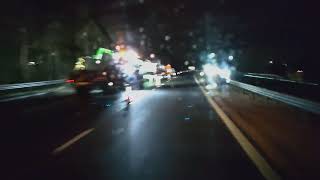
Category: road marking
[71,141]
[262,165]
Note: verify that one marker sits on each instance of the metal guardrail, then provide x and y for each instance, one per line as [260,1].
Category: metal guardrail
[274,77]
[5,87]
[291,100]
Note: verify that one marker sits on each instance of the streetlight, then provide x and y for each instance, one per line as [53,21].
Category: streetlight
[31,63]
[167,38]
[152,55]
[212,55]
[270,61]
[230,58]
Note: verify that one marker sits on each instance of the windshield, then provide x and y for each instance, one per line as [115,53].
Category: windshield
[156,89]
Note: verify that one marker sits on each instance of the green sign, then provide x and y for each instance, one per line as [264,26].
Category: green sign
[102,51]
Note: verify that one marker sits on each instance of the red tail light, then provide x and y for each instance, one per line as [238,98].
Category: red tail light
[70,81]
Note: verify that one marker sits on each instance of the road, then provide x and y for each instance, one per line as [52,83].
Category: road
[284,134]
[166,133]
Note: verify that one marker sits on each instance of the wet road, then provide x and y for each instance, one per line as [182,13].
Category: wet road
[166,133]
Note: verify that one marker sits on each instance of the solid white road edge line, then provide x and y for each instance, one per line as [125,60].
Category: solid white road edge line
[71,141]
[262,165]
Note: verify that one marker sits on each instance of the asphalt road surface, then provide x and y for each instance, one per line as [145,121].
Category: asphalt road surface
[166,133]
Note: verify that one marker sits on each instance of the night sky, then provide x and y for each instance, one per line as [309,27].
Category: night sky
[288,29]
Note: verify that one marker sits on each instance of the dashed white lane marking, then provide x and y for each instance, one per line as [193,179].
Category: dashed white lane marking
[262,165]
[71,141]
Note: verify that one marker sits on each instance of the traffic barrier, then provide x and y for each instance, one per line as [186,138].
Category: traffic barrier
[275,77]
[291,100]
[6,87]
